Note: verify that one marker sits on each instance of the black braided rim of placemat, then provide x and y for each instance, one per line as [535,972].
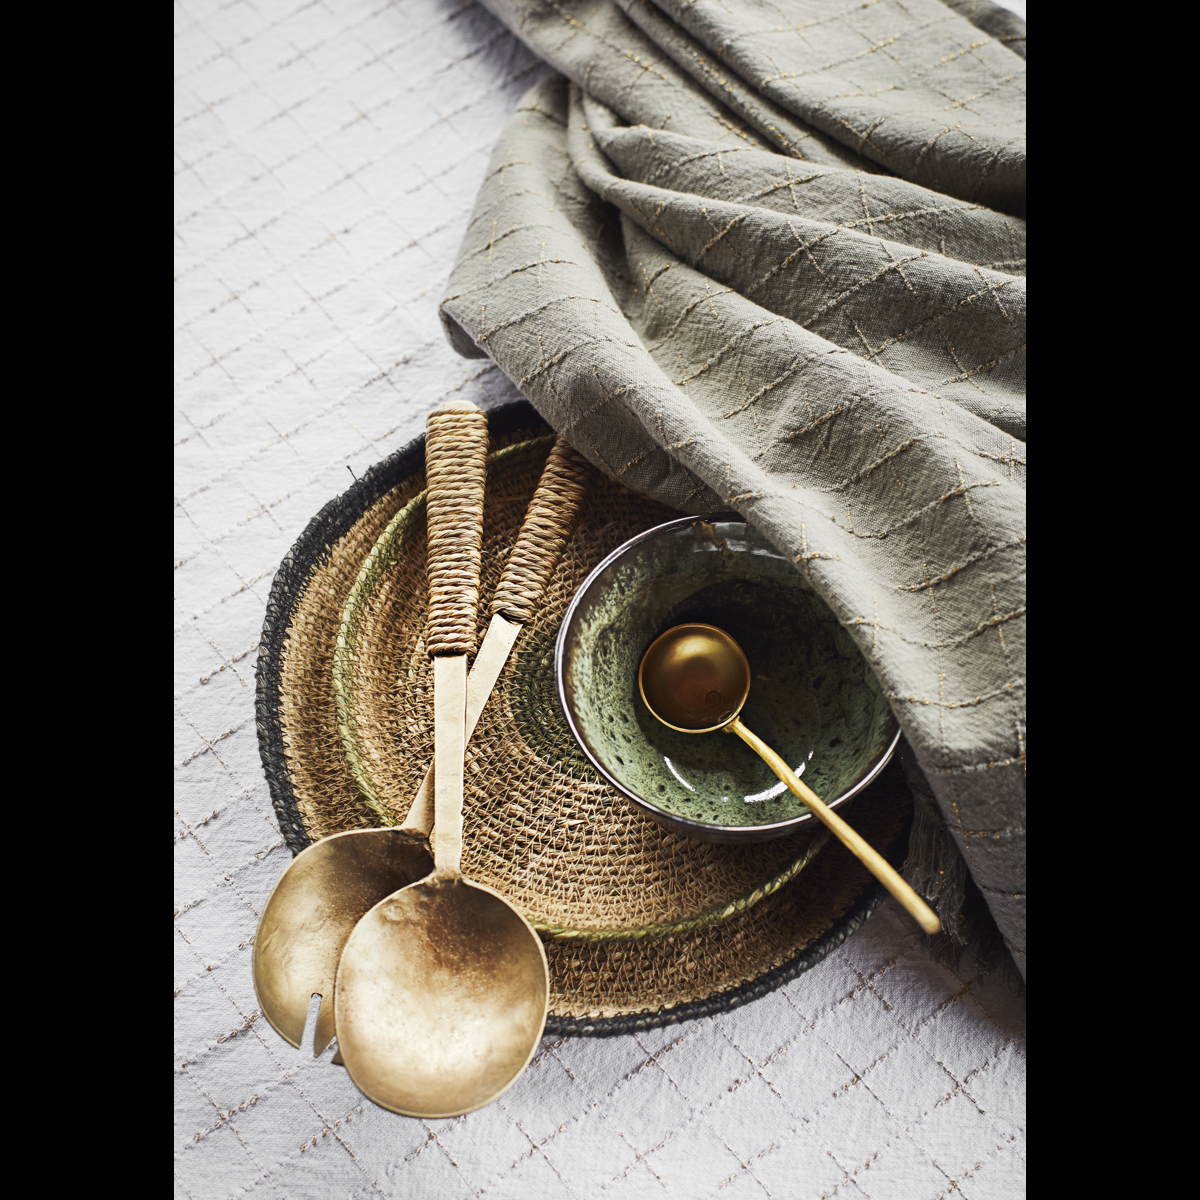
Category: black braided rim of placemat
[333,522]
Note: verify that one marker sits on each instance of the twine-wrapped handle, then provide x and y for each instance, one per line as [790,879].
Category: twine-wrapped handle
[455,473]
[544,532]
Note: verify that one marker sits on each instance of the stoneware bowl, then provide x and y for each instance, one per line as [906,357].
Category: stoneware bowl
[812,696]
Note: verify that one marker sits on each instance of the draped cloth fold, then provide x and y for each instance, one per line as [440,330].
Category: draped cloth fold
[770,257]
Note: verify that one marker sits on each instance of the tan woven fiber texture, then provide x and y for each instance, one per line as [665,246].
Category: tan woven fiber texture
[544,532]
[540,825]
[324,789]
[455,465]
[770,257]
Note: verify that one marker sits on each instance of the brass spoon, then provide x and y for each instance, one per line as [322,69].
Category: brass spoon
[328,887]
[309,915]
[695,678]
[443,986]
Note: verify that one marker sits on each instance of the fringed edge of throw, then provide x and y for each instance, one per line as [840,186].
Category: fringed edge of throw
[936,870]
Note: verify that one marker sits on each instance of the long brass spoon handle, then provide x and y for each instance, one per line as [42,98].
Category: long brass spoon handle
[456,472]
[545,530]
[853,841]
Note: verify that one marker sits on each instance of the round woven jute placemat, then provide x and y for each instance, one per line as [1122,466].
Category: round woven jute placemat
[713,926]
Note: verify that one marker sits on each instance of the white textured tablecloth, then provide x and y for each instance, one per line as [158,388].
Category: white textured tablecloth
[327,157]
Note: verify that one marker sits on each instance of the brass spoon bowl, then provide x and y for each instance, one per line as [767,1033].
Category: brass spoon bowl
[695,678]
[315,904]
[441,997]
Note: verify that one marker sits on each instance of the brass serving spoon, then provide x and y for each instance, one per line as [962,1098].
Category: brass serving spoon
[328,887]
[695,678]
[442,987]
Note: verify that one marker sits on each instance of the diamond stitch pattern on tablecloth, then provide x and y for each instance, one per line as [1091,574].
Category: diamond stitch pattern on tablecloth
[808,1067]
[589,1154]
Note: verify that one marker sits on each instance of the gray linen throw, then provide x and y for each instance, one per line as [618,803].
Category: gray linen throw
[770,257]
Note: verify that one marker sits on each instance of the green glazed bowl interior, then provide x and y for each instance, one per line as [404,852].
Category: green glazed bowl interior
[813,698]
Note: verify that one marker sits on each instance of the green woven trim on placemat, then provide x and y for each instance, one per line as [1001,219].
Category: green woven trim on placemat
[381,558]
[713,916]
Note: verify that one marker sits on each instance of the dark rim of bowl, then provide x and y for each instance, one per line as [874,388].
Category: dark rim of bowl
[738,832]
